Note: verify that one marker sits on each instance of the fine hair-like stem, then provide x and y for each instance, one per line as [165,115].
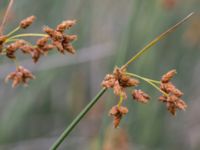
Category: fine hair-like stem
[156,40]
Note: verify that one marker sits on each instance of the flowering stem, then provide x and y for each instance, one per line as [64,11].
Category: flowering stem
[150,81]
[28,35]
[13,31]
[11,40]
[120,101]
[77,119]
[156,40]
[90,105]
[143,78]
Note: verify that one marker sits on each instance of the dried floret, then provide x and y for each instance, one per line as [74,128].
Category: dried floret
[27,22]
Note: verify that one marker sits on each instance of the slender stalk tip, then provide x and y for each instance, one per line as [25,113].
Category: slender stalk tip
[157,39]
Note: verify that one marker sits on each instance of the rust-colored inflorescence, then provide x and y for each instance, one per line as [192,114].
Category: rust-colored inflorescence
[20,76]
[117,112]
[120,79]
[13,47]
[27,22]
[140,96]
[53,39]
[173,95]
[60,40]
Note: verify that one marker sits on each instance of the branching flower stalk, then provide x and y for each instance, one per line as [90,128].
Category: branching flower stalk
[120,79]
[52,39]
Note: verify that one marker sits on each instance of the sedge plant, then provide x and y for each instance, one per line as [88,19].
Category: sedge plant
[119,80]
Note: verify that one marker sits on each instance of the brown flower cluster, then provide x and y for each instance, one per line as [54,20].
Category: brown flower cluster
[57,38]
[117,112]
[20,76]
[60,40]
[119,81]
[172,98]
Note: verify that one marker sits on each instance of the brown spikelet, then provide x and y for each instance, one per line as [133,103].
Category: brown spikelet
[27,22]
[27,49]
[20,76]
[65,25]
[69,38]
[119,90]
[42,41]
[59,46]
[48,30]
[11,48]
[69,48]
[168,76]
[108,81]
[140,96]
[117,112]
[170,88]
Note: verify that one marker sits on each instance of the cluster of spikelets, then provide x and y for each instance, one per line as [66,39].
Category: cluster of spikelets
[52,39]
[119,80]
[172,98]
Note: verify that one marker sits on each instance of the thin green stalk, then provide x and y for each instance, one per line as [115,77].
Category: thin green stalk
[13,31]
[137,76]
[120,101]
[148,81]
[156,40]
[77,119]
[28,35]
[11,40]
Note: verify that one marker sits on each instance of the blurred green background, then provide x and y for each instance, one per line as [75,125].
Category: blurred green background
[109,33]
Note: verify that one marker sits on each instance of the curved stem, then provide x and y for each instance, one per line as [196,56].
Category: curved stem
[77,119]
[11,40]
[13,31]
[148,81]
[28,35]
[137,76]
[156,40]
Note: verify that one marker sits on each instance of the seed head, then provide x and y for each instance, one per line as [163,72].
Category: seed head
[27,22]
[20,76]
[117,112]
[140,96]
[65,25]
[168,76]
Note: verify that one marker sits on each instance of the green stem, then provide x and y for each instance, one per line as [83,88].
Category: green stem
[120,101]
[28,35]
[156,40]
[11,40]
[143,78]
[77,119]
[13,31]
[148,81]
